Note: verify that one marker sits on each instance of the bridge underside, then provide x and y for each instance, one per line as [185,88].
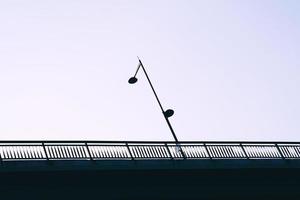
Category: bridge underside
[151,179]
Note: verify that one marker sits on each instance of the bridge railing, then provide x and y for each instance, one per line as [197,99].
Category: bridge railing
[133,150]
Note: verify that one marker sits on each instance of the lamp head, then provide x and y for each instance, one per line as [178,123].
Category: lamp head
[169,113]
[132,80]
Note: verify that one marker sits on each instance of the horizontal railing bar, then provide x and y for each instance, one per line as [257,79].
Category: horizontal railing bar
[150,145]
[146,142]
[135,145]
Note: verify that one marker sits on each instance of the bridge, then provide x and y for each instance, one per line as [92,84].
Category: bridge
[149,170]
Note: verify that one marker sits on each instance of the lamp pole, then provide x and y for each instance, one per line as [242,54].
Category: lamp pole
[168,113]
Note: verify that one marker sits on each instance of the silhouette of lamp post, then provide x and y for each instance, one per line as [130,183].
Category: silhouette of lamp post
[168,113]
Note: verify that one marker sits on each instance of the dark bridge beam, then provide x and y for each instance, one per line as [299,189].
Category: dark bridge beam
[151,179]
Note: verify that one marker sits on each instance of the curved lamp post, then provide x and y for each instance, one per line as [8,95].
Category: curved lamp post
[168,113]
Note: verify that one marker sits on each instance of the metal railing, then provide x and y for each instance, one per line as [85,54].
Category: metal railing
[133,150]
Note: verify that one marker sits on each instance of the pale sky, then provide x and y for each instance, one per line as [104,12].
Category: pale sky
[229,69]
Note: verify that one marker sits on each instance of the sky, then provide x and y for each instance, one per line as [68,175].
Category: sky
[230,69]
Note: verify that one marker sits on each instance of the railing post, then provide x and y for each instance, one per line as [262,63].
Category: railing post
[88,150]
[46,154]
[169,152]
[132,158]
[207,151]
[244,150]
[281,154]
[182,152]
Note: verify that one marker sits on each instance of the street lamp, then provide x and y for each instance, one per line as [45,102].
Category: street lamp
[168,113]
